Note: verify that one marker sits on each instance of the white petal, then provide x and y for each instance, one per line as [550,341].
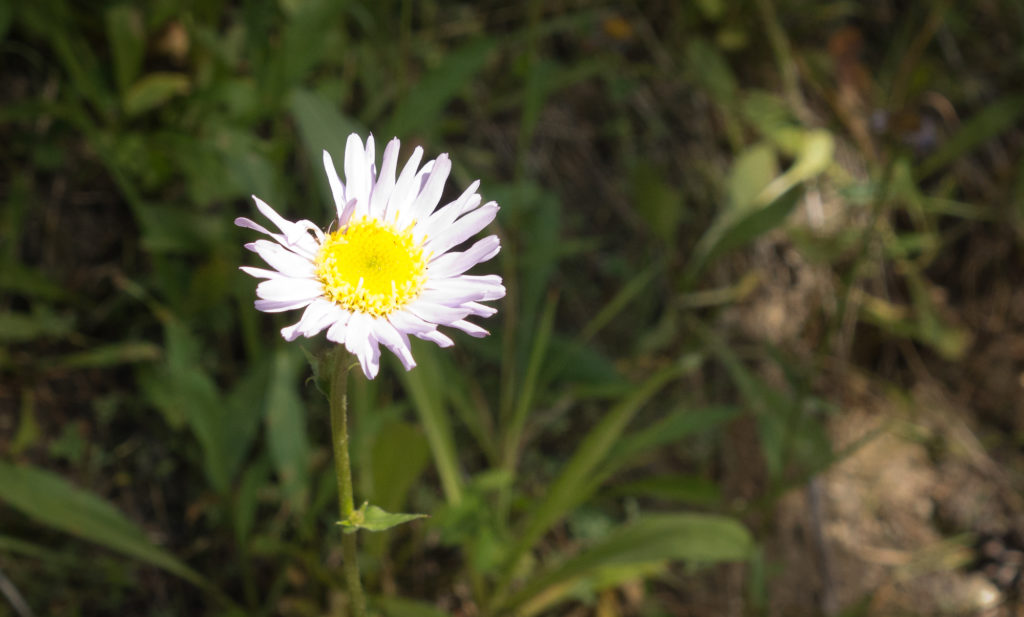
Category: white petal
[451,296]
[357,173]
[346,213]
[462,229]
[404,191]
[295,233]
[279,306]
[385,184]
[480,310]
[337,188]
[318,315]
[406,322]
[339,329]
[436,313]
[306,246]
[465,288]
[359,341]
[469,328]
[290,289]
[429,197]
[445,216]
[394,340]
[261,273]
[453,264]
[281,259]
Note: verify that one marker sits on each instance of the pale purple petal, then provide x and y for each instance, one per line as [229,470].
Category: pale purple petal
[339,329]
[429,197]
[467,288]
[337,188]
[357,173]
[281,259]
[289,289]
[404,192]
[261,273]
[394,340]
[359,341]
[436,313]
[279,306]
[409,323]
[306,246]
[385,184]
[480,310]
[462,229]
[469,328]
[446,215]
[318,315]
[454,264]
[435,337]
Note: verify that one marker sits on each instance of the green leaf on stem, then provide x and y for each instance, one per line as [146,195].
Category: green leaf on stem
[372,518]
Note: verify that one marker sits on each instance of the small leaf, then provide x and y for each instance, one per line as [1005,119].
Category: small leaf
[372,518]
[154,90]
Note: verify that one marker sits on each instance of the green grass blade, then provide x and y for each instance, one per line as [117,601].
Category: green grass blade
[565,492]
[422,385]
[655,537]
[51,500]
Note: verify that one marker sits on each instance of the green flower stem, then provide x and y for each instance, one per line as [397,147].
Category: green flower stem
[343,471]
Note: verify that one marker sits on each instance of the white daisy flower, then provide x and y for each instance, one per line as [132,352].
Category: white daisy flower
[387,269]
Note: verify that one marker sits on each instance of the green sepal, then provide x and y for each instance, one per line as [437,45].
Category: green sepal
[372,518]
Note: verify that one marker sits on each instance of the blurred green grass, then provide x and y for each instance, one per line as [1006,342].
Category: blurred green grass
[658,164]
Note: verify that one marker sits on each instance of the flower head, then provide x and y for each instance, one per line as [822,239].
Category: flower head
[386,269]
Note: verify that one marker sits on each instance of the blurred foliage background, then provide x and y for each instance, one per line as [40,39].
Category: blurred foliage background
[762,351]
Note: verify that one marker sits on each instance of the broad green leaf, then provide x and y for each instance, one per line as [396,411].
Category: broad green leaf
[186,394]
[48,498]
[699,538]
[372,518]
[127,37]
[286,427]
[658,202]
[154,90]
[420,111]
[394,475]
[322,127]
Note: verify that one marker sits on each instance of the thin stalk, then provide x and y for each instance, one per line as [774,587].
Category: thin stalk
[343,471]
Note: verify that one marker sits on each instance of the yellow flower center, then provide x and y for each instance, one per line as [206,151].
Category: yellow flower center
[371,267]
